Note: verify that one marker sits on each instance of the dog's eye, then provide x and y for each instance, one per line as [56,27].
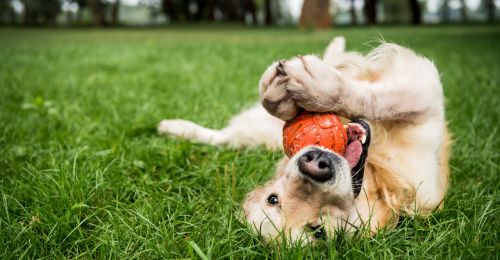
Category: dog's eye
[318,232]
[272,199]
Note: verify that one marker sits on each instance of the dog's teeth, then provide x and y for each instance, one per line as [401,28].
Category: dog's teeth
[324,148]
[362,137]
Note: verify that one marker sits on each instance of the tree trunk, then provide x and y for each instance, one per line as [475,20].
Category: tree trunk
[232,11]
[70,19]
[200,11]
[352,11]
[115,13]
[30,14]
[250,7]
[268,12]
[490,9]
[446,11]
[371,11]
[27,16]
[463,11]
[416,12]
[185,12]
[79,16]
[315,13]
[210,10]
[97,9]
[170,10]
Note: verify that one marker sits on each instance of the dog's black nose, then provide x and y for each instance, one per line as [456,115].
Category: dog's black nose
[317,164]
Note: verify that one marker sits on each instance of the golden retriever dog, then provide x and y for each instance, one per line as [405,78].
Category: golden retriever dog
[396,160]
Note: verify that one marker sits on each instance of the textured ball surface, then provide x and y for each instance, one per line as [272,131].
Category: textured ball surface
[323,129]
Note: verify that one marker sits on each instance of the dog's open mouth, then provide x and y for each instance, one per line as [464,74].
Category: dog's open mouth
[358,135]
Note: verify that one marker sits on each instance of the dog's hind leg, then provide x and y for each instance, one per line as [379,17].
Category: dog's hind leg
[336,47]
[191,131]
[253,127]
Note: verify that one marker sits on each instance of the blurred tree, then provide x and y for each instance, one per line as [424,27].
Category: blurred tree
[315,13]
[352,12]
[38,12]
[268,12]
[210,10]
[397,11]
[370,9]
[98,10]
[250,8]
[82,4]
[115,12]
[104,12]
[186,10]
[7,13]
[232,11]
[170,10]
[445,11]
[416,12]
[489,6]
[197,10]
[463,10]
[192,10]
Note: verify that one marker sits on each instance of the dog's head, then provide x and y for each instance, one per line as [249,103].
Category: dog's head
[313,183]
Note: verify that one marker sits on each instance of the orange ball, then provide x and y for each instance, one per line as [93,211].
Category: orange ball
[323,129]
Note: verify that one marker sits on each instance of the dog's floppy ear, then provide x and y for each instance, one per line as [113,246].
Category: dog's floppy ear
[358,171]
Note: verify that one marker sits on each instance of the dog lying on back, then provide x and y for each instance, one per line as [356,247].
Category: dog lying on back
[396,99]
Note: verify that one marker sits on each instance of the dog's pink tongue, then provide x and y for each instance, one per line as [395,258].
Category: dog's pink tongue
[353,153]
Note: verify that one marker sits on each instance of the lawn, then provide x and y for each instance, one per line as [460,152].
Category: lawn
[84,174]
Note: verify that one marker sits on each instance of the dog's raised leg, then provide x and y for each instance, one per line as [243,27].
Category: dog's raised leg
[406,87]
[251,128]
[192,131]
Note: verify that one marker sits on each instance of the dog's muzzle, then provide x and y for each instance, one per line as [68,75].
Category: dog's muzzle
[318,165]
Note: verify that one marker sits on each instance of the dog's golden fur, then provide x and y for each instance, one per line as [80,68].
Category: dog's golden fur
[406,172]
[389,181]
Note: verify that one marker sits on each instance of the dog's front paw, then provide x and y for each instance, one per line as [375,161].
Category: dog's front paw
[313,84]
[274,95]
[306,82]
[177,128]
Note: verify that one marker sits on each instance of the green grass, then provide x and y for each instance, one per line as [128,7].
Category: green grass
[84,174]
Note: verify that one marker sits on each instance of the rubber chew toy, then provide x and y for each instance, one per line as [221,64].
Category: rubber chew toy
[322,129]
